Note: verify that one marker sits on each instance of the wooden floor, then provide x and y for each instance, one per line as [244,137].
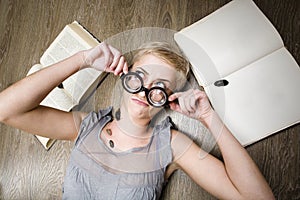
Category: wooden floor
[27,27]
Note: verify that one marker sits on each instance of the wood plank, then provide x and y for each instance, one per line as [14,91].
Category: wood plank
[27,171]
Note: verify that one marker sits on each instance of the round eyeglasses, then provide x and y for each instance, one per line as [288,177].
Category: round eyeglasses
[133,83]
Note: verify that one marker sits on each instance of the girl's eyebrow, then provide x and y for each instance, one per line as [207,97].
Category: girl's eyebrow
[140,68]
[160,79]
[164,80]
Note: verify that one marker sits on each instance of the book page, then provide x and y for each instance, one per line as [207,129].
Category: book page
[59,99]
[203,67]
[261,98]
[46,142]
[78,84]
[34,68]
[65,44]
[232,37]
[71,40]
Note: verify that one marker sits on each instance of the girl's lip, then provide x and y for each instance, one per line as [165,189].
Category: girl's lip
[140,102]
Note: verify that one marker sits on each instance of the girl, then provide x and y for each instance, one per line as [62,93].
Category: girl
[126,156]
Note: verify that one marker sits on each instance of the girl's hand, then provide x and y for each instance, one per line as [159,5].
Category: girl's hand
[193,103]
[104,57]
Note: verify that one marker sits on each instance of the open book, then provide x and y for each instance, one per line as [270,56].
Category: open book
[76,88]
[249,76]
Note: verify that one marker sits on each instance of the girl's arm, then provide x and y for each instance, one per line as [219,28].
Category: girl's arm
[19,104]
[237,177]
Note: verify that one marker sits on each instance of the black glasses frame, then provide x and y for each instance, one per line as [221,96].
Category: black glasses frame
[143,89]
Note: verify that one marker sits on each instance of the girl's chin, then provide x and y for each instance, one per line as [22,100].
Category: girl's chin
[143,113]
[138,111]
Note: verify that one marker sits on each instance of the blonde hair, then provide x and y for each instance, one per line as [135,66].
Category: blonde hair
[168,54]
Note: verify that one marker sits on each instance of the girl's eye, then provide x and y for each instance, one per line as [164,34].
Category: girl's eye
[141,74]
[160,84]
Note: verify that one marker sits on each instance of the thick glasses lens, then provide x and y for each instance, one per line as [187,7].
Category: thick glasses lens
[157,97]
[132,83]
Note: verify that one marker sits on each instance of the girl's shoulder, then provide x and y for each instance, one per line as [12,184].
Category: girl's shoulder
[91,119]
[180,143]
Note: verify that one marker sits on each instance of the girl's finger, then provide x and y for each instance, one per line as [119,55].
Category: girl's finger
[116,56]
[182,105]
[108,56]
[120,66]
[174,96]
[125,68]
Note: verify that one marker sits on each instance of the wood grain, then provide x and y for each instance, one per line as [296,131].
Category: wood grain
[27,28]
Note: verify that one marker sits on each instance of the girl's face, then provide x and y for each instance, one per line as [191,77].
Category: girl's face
[154,72]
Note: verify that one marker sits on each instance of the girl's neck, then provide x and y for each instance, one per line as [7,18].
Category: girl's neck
[133,127]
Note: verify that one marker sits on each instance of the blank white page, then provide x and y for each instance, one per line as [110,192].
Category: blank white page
[227,40]
[261,98]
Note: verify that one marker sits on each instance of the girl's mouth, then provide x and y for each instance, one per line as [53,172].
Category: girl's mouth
[139,102]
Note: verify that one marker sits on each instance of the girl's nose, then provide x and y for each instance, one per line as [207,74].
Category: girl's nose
[142,94]
[148,85]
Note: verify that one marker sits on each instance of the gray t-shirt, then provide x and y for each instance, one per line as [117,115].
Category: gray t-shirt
[97,172]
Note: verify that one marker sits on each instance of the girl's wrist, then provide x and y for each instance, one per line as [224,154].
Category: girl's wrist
[208,117]
[82,64]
